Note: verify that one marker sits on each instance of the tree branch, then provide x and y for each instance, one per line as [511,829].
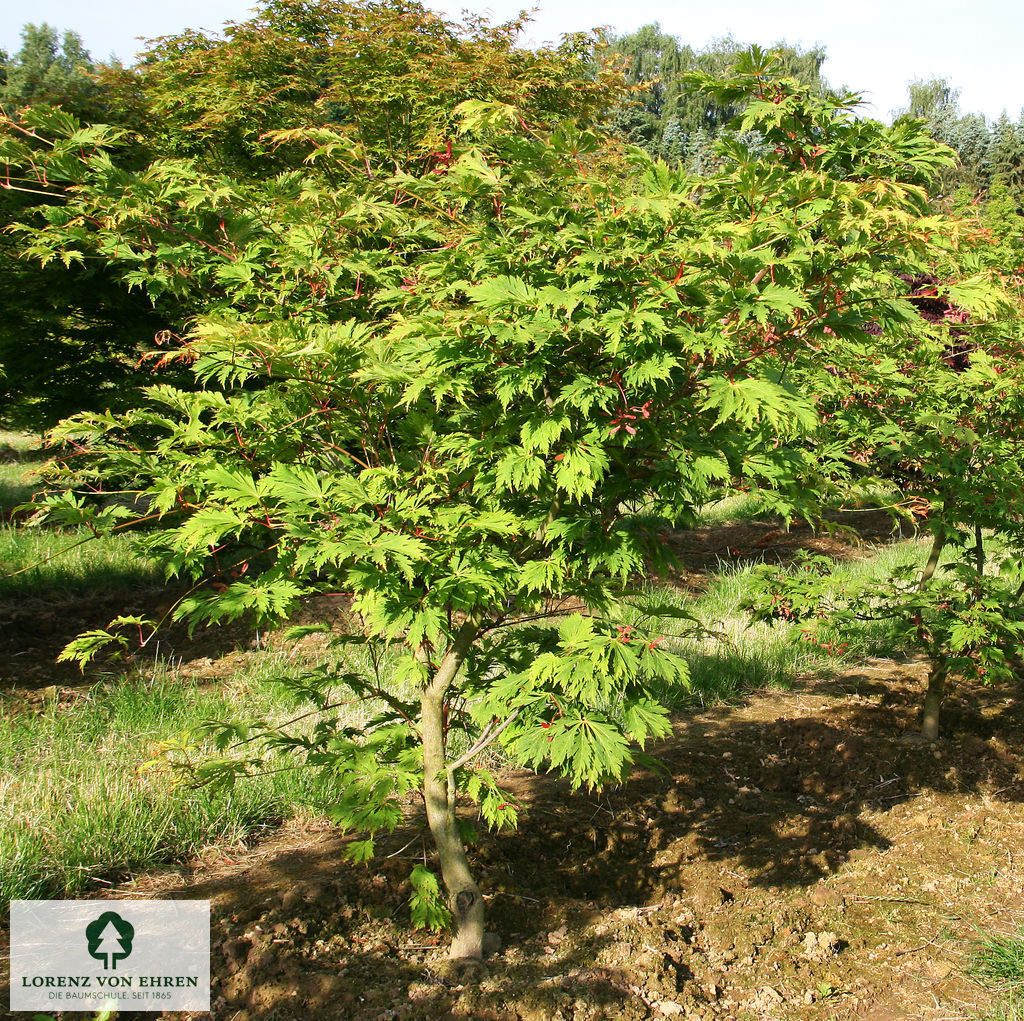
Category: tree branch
[488,737]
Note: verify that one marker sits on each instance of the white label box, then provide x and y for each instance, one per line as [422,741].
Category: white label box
[88,955]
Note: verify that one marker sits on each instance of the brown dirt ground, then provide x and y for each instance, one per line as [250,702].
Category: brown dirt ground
[805,858]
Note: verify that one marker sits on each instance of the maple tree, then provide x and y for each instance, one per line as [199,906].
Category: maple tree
[468,394]
[938,420]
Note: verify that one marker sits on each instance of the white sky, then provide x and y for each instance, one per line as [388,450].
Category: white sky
[874,46]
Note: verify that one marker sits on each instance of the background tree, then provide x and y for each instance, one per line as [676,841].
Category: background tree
[49,68]
[386,76]
[71,335]
[940,422]
[1006,154]
[666,105]
[987,151]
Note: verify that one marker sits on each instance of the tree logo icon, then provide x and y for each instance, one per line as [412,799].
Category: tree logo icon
[110,939]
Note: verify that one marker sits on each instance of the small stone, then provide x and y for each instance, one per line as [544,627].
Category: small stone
[824,897]
[236,949]
[669,1008]
[819,946]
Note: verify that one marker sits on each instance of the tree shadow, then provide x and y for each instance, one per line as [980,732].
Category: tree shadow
[34,630]
[786,799]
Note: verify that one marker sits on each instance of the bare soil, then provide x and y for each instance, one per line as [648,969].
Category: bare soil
[805,857]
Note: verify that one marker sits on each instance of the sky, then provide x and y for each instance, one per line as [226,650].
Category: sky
[874,46]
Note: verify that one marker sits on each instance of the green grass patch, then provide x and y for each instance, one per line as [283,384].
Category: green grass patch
[999,961]
[74,809]
[738,656]
[17,483]
[998,964]
[50,562]
[731,510]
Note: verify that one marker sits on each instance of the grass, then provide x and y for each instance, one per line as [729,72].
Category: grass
[74,809]
[739,656]
[16,483]
[731,510]
[54,562]
[742,507]
[998,963]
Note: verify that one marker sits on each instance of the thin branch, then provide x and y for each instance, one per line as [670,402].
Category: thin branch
[506,622]
[487,738]
[280,727]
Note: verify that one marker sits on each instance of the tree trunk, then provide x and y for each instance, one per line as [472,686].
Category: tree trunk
[938,542]
[464,899]
[933,701]
[937,673]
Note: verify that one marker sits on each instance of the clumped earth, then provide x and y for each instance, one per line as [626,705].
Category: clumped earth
[804,857]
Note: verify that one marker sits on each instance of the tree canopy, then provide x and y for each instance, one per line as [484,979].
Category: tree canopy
[464,382]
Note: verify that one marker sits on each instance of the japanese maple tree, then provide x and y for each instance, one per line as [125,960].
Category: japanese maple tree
[469,394]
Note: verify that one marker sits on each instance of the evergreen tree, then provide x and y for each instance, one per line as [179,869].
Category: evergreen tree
[700,153]
[1007,149]
[657,63]
[971,139]
[49,68]
[987,151]
[673,142]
